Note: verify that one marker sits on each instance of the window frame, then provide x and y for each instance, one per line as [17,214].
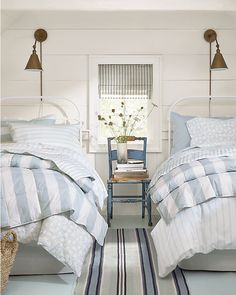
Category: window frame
[155,118]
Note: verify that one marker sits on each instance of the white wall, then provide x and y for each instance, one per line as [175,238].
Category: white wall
[73,36]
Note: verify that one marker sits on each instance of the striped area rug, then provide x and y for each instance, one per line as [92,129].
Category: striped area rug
[127,265]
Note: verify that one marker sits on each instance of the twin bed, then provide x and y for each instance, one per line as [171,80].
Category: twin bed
[195,193]
[52,195]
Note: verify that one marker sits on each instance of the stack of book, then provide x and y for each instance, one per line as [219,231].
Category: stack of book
[132,170]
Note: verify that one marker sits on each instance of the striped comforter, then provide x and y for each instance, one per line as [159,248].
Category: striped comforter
[204,181]
[41,181]
[194,177]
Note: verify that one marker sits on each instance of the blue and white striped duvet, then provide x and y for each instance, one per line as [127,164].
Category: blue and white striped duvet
[39,181]
[194,177]
[196,195]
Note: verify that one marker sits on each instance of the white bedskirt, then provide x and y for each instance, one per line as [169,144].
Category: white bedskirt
[201,229]
[33,259]
[217,260]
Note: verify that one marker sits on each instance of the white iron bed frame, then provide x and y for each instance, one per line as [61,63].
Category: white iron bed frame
[217,260]
[33,259]
[40,100]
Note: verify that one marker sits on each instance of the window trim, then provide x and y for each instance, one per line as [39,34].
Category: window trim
[94,61]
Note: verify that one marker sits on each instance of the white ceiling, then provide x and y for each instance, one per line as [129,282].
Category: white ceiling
[118,14]
[142,20]
[120,5]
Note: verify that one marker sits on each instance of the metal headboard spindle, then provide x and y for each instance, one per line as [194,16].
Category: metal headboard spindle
[190,98]
[49,100]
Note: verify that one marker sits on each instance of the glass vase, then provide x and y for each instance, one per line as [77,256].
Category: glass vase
[122,153]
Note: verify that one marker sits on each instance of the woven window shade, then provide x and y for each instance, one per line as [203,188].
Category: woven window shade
[125,81]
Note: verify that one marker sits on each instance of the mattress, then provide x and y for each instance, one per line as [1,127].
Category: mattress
[217,260]
[33,259]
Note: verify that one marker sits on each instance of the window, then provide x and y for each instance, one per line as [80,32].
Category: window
[134,80]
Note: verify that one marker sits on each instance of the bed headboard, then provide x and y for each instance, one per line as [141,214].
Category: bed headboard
[41,101]
[58,103]
[220,106]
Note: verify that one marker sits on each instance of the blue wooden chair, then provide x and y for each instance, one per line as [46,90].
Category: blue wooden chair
[144,198]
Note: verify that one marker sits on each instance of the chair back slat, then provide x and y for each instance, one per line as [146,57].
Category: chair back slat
[114,155]
[136,154]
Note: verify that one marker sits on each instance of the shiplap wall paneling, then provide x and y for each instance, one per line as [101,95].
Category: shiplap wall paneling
[73,36]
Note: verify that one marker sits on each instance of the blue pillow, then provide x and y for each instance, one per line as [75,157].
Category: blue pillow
[181,138]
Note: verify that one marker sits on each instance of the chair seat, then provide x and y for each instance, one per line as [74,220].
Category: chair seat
[128,180]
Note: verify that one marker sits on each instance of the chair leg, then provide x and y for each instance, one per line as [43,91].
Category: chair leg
[149,208]
[143,199]
[109,202]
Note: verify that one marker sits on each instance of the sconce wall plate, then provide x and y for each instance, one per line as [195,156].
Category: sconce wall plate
[40,35]
[210,35]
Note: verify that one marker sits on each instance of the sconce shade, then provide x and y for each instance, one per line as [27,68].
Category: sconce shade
[218,62]
[34,63]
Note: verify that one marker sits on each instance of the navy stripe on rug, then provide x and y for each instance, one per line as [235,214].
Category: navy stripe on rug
[121,263]
[118,264]
[94,278]
[180,282]
[149,281]
[123,238]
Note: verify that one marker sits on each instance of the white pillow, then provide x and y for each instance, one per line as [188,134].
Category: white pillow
[5,130]
[209,131]
[66,136]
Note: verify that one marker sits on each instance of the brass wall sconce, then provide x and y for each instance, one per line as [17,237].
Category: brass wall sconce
[35,63]
[218,62]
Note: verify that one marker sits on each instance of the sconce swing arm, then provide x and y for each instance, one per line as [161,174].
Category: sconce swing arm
[35,63]
[218,62]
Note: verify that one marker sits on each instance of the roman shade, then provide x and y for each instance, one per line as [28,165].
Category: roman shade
[125,81]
